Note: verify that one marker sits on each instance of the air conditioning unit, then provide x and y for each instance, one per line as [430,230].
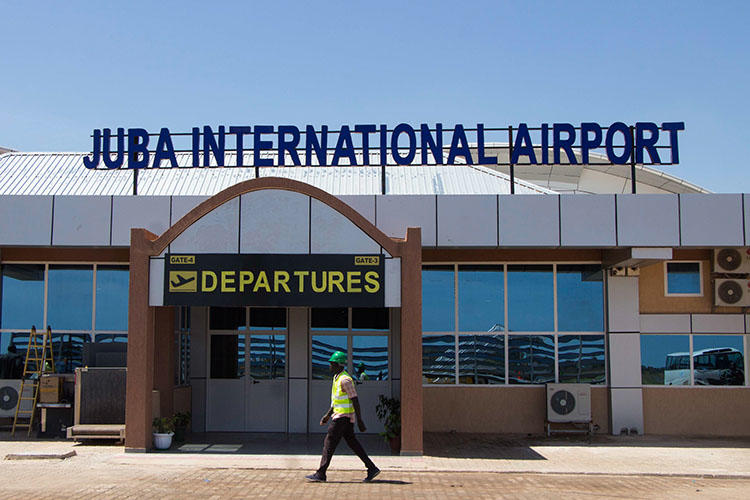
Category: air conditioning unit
[732,292]
[732,260]
[568,402]
[9,397]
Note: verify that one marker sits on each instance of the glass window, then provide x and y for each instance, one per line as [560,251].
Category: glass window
[530,298]
[322,348]
[70,297]
[67,351]
[109,338]
[683,278]
[329,318]
[226,318]
[665,359]
[481,359]
[438,299]
[531,359]
[369,318]
[227,356]
[267,356]
[268,318]
[718,360]
[439,359]
[370,357]
[580,298]
[112,297]
[481,306]
[22,296]
[581,359]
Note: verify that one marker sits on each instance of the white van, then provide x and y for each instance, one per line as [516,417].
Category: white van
[715,366]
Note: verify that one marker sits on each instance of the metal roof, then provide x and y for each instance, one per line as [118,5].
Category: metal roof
[64,174]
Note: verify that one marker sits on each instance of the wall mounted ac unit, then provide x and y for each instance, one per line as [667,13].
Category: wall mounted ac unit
[732,292]
[732,260]
[568,402]
[9,397]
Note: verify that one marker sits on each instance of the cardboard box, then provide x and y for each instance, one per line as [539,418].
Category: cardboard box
[50,388]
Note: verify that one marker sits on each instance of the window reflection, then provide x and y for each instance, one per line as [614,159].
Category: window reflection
[530,298]
[22,296]
[227,356]
[718,360]
[531,359]
[581,359]
[665,359]
[67,351]
[683,278]
[369,318]
[112,297]
[329,318]
[438,359]
[70,297]
[481,359]
[322,348]
[481,306]
[370,357]
[267,356]
[268,318]
[108,338]
[438,301]
[580,298]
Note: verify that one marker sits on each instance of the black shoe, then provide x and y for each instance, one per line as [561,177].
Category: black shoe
[315,478]
[371,474]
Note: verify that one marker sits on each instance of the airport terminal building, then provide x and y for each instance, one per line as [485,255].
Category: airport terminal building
[231,286]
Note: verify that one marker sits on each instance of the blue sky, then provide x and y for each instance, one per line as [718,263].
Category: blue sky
[68,68]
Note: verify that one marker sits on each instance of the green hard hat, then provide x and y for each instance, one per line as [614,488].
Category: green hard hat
[338,357]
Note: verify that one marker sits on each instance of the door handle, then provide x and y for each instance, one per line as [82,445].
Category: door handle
[256,381]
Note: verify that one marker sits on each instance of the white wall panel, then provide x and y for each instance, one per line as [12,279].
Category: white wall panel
[467,220]
[718,323]
[275,221]
[648,220]
[712,220]
[395,213]
[331,232]
[181,205]
[25,220]
[622,300]
[625,360]
[82,220]
[364,204]
[587,220]
[665,323]
[393,282]
[156,282]
[298,406]
[148,212]
[627,410]
[215,232]
[519,213]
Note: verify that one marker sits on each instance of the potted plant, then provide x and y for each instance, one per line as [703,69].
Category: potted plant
[181,421]
[389,412]
[163,432]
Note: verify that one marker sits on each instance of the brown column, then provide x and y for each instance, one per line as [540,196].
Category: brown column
[140,379]
[164,363]
[411,343]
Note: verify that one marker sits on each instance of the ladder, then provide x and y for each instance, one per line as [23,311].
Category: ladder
[39,360]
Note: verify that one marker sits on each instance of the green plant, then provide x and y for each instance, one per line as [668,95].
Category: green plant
[388,411]
[181,419]
[163,425]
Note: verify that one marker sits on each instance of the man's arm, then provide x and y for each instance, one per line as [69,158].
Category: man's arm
[327,416]
[358,413]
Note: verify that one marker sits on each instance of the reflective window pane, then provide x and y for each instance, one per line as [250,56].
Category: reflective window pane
[70,297]
[112,297]
[581,359]
[665,359]
[329,318]
[481,359]
[268,318]
[322,348]
[718,360]
[438,359]
[438,299]
[481,306]
[227,356]
[226,318]
[580,298]
[530,298]
[13,357]
[370,357]
[267,356]
[683,278]
[109,338]
[67,351]
[22,296]
[369,318]
[531,359]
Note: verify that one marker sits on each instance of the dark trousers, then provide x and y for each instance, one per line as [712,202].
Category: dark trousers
[341,427]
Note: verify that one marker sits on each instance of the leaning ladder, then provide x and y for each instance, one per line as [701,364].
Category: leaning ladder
[39,360]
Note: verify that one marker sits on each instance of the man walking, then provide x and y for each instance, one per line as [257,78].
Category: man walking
[342,413]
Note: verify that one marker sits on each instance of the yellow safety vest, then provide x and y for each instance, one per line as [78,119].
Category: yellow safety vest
[340,401]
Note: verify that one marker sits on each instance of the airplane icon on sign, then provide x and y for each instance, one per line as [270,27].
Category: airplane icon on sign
[181,280]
